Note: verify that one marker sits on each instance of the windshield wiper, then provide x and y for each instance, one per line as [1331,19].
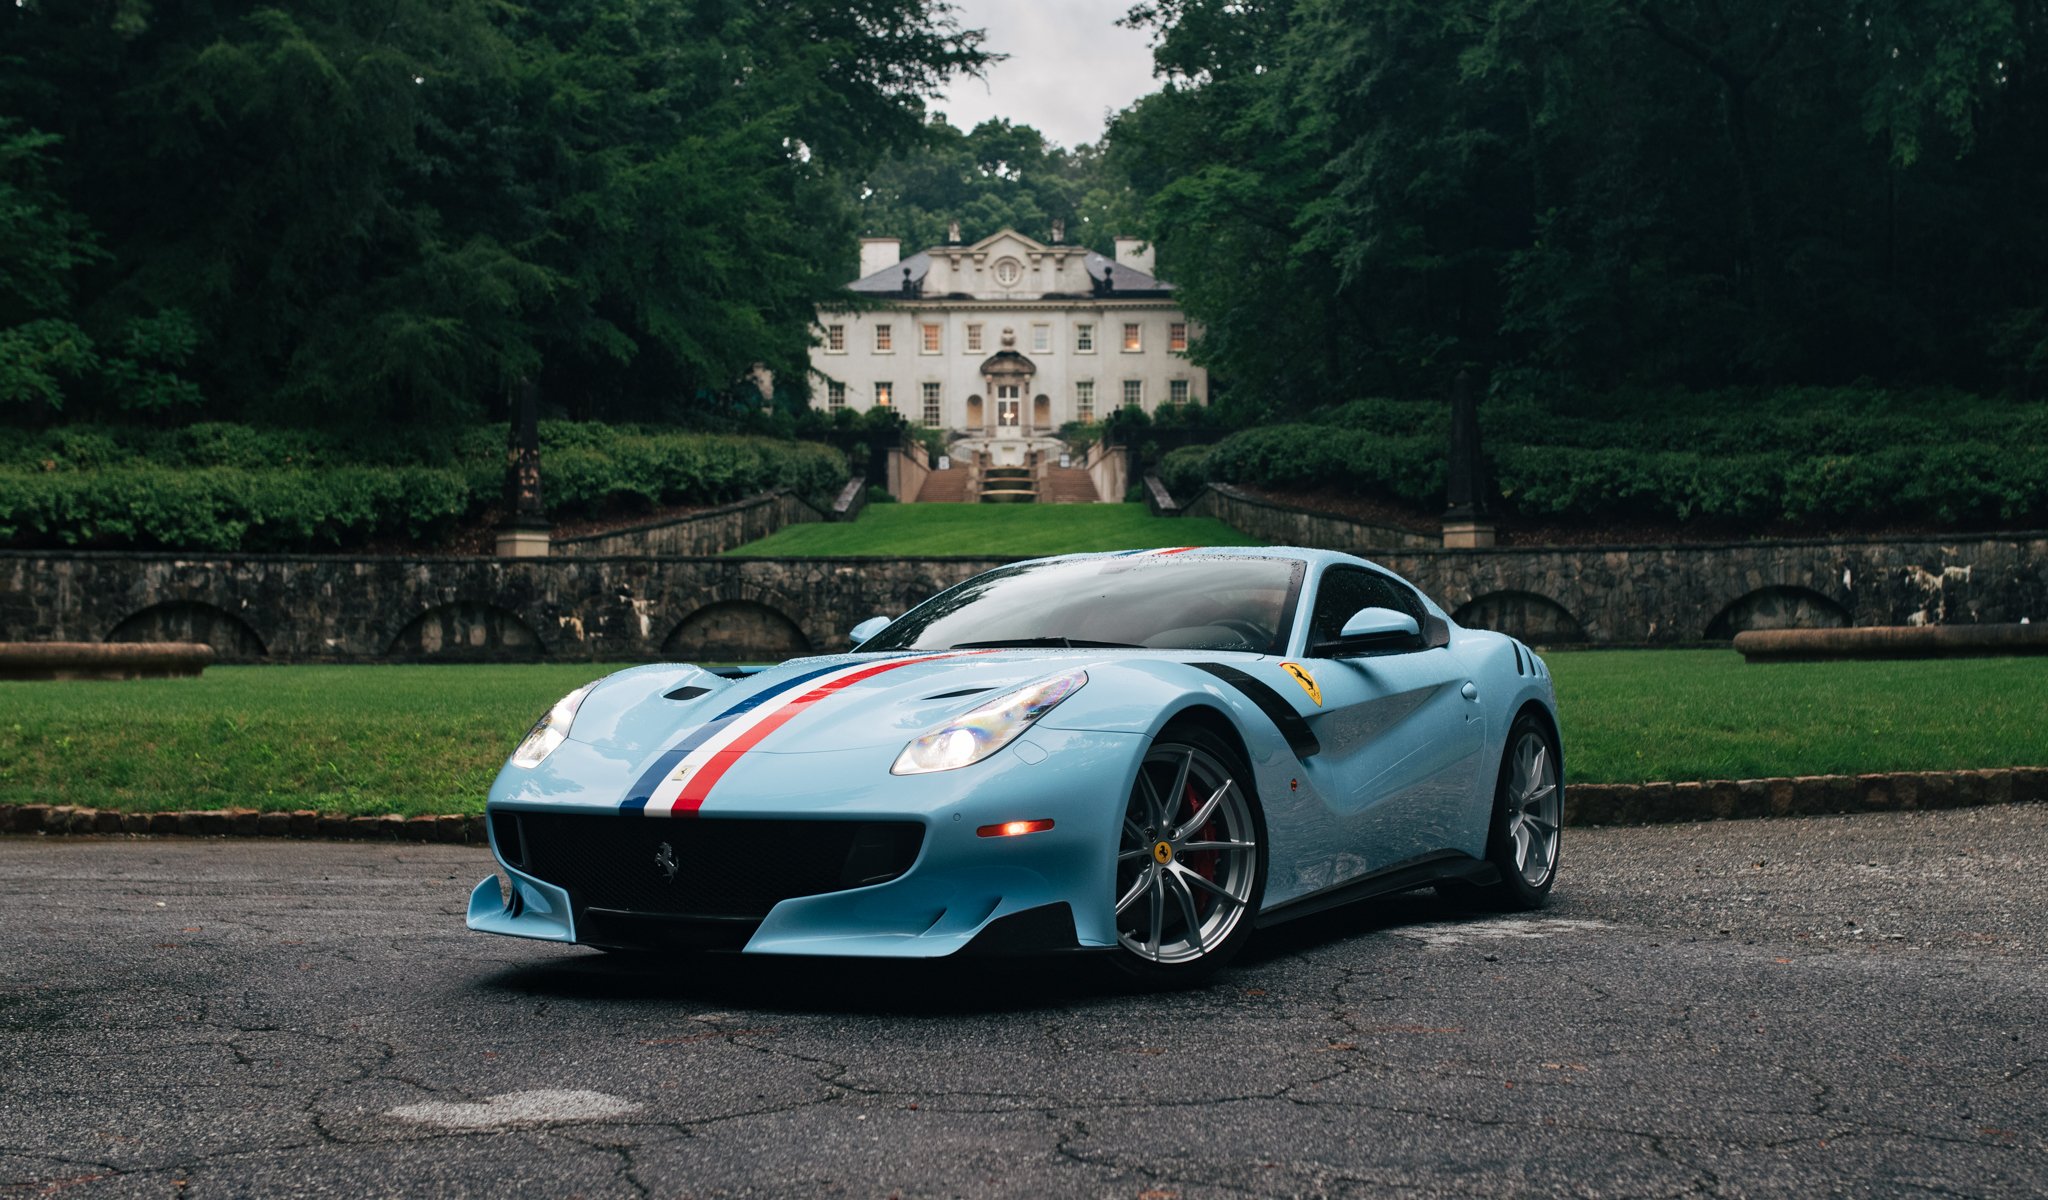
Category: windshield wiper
[1067,643]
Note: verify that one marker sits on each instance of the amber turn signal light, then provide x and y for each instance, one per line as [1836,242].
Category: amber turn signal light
[1013,828]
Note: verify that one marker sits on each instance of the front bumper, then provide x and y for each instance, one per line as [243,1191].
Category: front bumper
[1034,892]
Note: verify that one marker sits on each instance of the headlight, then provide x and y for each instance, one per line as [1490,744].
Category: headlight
[969,738]
[551,730]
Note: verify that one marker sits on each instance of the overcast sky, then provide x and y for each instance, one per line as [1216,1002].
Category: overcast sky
[1069,66]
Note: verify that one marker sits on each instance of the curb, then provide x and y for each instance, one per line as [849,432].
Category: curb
[1585,804]
[241,822]
[1800,796]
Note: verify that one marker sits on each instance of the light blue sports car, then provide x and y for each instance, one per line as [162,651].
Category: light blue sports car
[1148,754]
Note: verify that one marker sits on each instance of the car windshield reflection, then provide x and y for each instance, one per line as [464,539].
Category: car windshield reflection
[1183,602]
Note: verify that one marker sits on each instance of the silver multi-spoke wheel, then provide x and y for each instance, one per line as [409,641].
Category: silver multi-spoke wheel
[1534,808]
[1187,865]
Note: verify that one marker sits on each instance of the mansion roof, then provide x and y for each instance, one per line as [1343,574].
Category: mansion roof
[1009,266]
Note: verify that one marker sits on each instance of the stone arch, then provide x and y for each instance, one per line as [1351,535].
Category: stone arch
[232,638]
[735,630]
[1778,607]
[467,631]
[1041,412]
[1532,618]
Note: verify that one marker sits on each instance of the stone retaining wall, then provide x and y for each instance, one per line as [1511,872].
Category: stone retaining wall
[281,608]
[1286,525]
[712,531]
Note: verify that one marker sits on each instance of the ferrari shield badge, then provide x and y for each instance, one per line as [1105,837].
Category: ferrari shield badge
[1306,680]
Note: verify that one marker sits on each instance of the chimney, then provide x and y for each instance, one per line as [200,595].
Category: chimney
[1135,253]
[879,254]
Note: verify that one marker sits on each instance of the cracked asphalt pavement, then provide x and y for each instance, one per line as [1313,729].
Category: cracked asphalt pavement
[1830,1006]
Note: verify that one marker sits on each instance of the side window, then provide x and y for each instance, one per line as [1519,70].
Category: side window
[1345,590]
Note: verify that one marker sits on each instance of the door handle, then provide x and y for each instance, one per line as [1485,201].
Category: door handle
[1470,691]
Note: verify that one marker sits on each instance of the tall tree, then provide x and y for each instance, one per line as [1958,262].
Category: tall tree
[394,210]
[994,176]
[1696,192]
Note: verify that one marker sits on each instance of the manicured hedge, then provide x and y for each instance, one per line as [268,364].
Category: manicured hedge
[236,488]
[1828,456]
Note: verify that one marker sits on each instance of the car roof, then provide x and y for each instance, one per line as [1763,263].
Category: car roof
[1308,554]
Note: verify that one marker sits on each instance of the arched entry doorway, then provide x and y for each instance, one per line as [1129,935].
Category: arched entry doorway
[1007,376]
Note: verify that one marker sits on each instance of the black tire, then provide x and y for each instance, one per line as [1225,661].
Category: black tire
[1189,907]
[1527,860]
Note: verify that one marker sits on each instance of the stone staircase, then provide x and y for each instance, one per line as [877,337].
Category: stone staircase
[1067,485]
[946,487]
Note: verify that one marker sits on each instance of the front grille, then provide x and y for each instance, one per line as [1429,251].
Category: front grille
[723,868]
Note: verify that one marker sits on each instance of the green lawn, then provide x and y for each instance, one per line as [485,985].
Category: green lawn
[414,739]
[1635,715]
[995,531]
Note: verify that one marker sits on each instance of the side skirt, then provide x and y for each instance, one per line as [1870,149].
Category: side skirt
[1420,872]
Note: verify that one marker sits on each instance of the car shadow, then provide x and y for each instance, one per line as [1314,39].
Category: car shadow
[936,987]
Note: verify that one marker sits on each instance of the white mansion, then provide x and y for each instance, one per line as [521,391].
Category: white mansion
[1007,338]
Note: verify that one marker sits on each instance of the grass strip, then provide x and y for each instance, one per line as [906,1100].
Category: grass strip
[429,739]
[993,531]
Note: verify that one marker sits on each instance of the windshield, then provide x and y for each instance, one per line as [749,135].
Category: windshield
[1180,603]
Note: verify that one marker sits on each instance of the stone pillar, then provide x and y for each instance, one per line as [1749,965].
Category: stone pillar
[524,531]
[1466,522]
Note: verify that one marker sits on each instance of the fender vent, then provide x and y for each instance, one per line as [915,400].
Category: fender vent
[689,691]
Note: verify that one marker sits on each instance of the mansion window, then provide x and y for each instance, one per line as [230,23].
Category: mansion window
[931,338]
[1177,336]
[974,339]
[835,396]
[1132,341]
[1134,392]
[931,405]
[1177,391]
[835,339]
[1084,400]
[883,339]
[884,392]
[1084,339]
[1041,339]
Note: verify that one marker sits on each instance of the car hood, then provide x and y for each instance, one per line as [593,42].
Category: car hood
[888,699]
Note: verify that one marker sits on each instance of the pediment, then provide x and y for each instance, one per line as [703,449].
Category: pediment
[1006,241]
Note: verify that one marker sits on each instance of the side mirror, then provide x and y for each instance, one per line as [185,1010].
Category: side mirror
[868,628]
[1371,629]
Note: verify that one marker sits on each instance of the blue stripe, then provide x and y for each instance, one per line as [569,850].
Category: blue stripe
[643,788]
[766,694]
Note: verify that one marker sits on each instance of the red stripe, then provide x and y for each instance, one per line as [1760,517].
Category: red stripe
[1176,550]
[699,785]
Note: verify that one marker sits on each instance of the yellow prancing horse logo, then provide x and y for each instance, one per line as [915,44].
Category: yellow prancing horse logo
[1163,853]
[1306,680]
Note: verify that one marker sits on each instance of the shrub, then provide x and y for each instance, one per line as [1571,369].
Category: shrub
[1828,455]
[223,487]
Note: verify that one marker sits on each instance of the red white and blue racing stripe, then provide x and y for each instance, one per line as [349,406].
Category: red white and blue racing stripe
[677,783]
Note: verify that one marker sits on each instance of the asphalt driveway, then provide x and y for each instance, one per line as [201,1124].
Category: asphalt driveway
[1849,1005]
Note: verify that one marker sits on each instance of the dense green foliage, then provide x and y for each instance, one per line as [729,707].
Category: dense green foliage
[282,738]
[1810,455]
[232,487]
[1356,194]
[342,213]
[994,531]
[996,176]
